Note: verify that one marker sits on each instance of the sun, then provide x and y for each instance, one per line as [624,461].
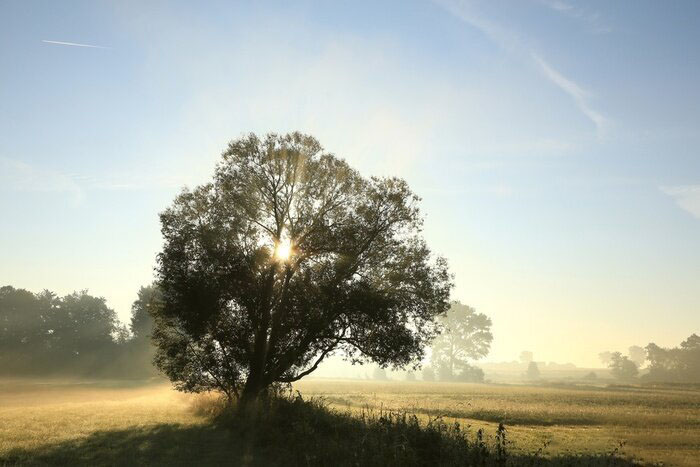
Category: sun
[283,250]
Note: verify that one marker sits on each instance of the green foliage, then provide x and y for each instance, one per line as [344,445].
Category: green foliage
[360,279]
[142,324]
[46,334]
[465,335]
[76,335]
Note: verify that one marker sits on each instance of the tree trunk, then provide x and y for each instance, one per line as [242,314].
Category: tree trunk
[251,391]
[255,382]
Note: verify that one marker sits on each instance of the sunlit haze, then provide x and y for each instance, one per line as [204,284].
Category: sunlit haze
[283,250]
[554,144]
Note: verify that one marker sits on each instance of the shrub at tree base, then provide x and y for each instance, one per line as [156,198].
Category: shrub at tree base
[293,431]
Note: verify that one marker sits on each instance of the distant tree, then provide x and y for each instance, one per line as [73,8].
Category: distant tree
[141,315]
[533,372]
[24,336]
[428,373]
[678,364]
[526,356]
[443,372]
[379,374]
[605,357]
[43,334]
[287,256]
[470,374]
[637,354]
[622,367]
[121,335]
[82,324]
[410,376]
[140,349]
[466,335]
[591,375]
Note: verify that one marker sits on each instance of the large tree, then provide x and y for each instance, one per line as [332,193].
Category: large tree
[466,335]
[287,256]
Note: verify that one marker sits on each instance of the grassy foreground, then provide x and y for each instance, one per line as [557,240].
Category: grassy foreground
[117,424]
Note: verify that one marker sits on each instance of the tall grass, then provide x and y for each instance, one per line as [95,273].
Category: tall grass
[294,431]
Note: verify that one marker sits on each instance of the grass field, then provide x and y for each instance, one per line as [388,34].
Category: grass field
[117,423]
[656,425]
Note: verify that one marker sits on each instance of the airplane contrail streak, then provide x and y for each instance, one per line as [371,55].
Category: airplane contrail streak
[75,44]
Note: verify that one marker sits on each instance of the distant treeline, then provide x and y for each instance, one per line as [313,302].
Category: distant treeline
[678,364]
[670,365]
[77,335]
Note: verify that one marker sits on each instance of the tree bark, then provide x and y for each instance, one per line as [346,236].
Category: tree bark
[255,382]
[251,392]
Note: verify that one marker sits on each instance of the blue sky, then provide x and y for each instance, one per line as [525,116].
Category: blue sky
[554,143]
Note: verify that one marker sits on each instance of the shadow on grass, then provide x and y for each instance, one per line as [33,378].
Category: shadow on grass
[296,432]
[155,445]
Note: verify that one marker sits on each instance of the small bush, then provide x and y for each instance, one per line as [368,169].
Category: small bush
[471,374]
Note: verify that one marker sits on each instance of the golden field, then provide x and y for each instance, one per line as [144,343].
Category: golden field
[121,423]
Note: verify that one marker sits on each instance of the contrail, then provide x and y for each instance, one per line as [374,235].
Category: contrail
[74,44]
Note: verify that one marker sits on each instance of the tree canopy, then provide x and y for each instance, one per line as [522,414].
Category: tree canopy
[622,367]
[141,325]
[605,357]
[637,354]
[287,256]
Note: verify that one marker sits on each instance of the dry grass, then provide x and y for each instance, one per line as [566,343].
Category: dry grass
[35,414]
[658,425]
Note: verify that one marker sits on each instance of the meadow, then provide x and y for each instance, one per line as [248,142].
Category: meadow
[659,424]
[123,423]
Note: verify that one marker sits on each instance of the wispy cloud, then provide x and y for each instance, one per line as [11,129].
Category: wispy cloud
[20,176]
[686,196]
[575,91]
[592,19]
[517,45]
[75,44]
